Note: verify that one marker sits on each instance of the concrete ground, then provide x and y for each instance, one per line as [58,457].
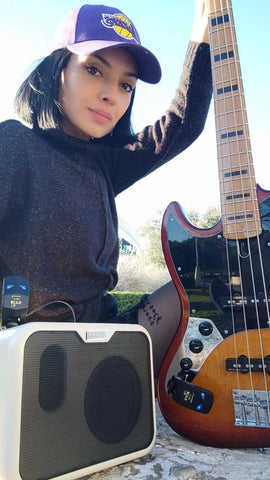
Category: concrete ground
[176,458]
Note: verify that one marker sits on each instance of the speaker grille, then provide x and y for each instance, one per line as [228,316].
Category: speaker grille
[83,403]
[113,387]
[52,377]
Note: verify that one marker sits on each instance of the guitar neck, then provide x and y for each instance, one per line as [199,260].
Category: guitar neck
[239,203]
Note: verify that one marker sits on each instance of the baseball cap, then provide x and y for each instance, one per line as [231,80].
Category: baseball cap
[91,28]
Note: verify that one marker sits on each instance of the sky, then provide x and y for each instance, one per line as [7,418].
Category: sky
[26,31]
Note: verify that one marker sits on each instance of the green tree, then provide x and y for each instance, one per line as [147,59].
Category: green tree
[151,232]
[194,217]
[210,217]
[206,219]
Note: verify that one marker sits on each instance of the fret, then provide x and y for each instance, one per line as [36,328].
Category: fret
[226,72]
[232,104]
[239,148]
[240,208]
[234,187]
[243,226]
[232,133]
[238,193]
[230,165]
[230,119]
[223,55]
[219,20]
[244,176]
[223,39]
[228,97]
[235,173]
[227,89]
[237,196]
[229,127]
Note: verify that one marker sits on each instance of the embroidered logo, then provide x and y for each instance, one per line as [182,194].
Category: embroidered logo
[121,25]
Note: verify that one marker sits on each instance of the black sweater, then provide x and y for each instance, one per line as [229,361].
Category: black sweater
[58,220]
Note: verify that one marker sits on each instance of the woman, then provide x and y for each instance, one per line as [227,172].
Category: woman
[75,151]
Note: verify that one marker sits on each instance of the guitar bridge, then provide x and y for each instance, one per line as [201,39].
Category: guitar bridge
[252,408]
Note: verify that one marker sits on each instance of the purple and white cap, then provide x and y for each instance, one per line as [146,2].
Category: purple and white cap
[90,28]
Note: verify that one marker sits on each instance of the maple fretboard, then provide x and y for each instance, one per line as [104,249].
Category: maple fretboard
[239,203]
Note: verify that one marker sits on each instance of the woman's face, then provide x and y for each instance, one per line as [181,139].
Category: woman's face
[95,92]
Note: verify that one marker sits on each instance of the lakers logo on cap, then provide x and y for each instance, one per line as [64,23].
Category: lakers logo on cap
[121,25]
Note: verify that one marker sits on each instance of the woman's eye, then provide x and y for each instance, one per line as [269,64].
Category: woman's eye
[92,70]
[127,87]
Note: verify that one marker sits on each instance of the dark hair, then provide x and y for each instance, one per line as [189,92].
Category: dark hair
[36,101]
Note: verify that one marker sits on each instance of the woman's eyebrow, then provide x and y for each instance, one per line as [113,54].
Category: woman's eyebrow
[105,62]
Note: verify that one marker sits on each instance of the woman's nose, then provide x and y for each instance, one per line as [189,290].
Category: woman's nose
[109,93]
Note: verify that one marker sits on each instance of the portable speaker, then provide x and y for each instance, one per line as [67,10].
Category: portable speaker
[74,399]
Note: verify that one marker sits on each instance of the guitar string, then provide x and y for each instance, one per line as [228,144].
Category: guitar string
[255,206]
[260,332]
[255,211]
[222,166]
[221,104]
[245,125]
[227,125]
[233,145]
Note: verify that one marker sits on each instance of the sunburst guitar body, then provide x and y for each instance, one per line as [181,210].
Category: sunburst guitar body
[214,382]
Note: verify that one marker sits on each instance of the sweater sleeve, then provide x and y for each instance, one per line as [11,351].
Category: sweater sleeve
[12,179]
[175,130]
[8,178]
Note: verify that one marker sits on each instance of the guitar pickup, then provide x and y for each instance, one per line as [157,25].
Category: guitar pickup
[190,396]
[243,364]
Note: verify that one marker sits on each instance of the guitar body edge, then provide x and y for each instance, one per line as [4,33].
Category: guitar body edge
[218,427]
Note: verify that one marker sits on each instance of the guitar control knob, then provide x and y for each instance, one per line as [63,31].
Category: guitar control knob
[267,363]
[206,328]
[186,363]
[196,345]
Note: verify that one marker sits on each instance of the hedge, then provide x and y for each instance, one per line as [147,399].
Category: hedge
[126,299]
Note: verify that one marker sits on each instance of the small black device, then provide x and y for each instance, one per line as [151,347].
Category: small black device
[15,299]
[190,396]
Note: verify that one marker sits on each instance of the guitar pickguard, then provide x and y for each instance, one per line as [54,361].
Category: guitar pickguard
[201,337]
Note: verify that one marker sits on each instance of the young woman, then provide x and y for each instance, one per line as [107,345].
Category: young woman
[75,151]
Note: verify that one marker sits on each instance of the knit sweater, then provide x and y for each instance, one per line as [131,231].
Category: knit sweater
[58,219]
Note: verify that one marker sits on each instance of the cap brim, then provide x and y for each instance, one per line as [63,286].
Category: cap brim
[148,64]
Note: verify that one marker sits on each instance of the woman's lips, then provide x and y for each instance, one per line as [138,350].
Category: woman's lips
[101,116]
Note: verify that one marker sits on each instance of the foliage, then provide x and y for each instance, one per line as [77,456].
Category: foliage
[210,217]
[136,274]
[194,217]
[126,299]
[151,232]
[200,303]
[206,219]
[147,271]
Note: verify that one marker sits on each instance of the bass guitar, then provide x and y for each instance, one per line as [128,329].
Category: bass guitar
[213,385]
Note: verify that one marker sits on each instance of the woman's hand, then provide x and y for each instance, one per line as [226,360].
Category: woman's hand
[200,23]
